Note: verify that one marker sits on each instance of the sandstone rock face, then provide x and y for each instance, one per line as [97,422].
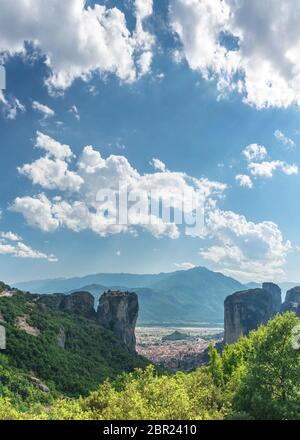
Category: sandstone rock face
[276,295]
[292,301]
[245,311]
[78,302]
[22,324]
[118,312]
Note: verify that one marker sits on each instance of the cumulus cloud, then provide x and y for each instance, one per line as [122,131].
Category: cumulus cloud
[143,40]
[244,181]
[284,139]
[255,152]
[51,174]
[12,244]
[91,39]
[46,111]
[258,167]
[52,147]
[251,47]
[77,204]
[236,243]
[37,211]
[52,170]
[11,236]
[248,250]
[266,169]
[158,165]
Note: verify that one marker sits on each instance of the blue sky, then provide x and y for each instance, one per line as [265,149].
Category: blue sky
[187,107]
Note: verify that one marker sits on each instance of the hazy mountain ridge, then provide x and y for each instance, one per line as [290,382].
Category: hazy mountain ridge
[193,295]
[104,279]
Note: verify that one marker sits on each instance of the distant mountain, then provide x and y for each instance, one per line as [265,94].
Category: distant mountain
[193,295]
[105,279]
[184,296]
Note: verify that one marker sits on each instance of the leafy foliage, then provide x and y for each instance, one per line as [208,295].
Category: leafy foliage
[256,378]
[91,353]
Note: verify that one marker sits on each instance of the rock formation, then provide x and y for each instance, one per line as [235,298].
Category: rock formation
[22,324]
[292,301]
[118,312]
[61,338]
[38,384]
[276,295]
[78,302]
[245,311]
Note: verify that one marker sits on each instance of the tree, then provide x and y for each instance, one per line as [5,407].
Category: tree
[270,385]
[216,366]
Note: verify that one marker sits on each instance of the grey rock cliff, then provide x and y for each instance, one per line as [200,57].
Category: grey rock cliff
[245,311]
[276,295]
[292,301]
[78,302]
[118,312]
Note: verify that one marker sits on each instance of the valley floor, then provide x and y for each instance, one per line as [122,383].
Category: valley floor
[176,355]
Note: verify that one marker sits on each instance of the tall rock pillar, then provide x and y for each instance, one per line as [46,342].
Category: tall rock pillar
[118,312]
[245,311]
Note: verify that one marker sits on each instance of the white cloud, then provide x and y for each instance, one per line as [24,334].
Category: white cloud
[44,109]
[158,165]
[244,181]
[11,236]
[51,174]
[52,170]
[12,244]
[11,107]
[261,58]
[252,251]
[144,41]
[52,147]
[237,243]
[75,112]
[266,169]
[92,39]
[255,152]
[290,169]
[284,139]
[77,206]
[185,265]
[37,211]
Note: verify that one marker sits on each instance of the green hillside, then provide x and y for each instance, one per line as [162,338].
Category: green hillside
[90,354]
[258,378]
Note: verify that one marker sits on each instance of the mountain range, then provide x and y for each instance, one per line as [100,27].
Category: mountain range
[195,295]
